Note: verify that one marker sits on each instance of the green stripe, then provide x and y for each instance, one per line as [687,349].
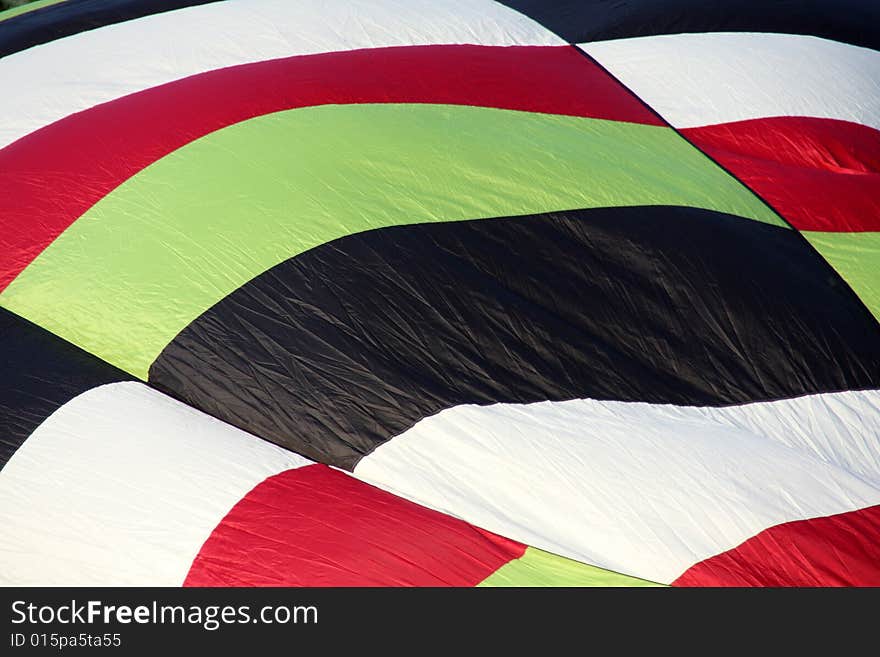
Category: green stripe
[167,244]
[539,568]
[15,11]
[856,256]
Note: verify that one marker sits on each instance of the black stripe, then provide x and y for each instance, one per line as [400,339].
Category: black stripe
[341,348]
[71,17]
[577,21]
[41,372]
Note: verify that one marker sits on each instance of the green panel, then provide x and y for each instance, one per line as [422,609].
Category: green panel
[539,568]
[171,241]
[857,257]
[15,11]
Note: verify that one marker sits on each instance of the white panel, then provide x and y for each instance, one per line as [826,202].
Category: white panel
[647,490]
[121,486]
[703,79]
[50,81]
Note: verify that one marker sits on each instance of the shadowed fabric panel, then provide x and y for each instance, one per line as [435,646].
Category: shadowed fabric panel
[337,350]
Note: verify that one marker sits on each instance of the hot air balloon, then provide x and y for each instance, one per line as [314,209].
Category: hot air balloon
[440,292]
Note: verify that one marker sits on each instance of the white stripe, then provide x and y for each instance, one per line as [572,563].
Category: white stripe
[121,486]
[704,79]
[643,489]
[48,82]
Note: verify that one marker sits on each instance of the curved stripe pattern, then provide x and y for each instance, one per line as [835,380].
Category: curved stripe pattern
[14,12]
[650,490]
[795,118]
[225,208]
[359,535]
[121,487]
[840,550]
[851,21]
[56,20]
[369,285]
[821,174]
[59,172]
[121,59]
[40,373]
[337,350]
[702,79]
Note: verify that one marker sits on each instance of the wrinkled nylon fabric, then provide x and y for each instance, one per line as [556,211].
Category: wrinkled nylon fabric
[345,346]
[715,477]
[322,173]
[545,320]
[59,172]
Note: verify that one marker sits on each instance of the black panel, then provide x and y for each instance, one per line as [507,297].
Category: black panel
[70,17]
[40,372]
[347,345]
[578,21]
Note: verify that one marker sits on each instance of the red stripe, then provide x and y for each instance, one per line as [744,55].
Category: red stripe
[839,550]
[315,526]
[55,174]
[820,174]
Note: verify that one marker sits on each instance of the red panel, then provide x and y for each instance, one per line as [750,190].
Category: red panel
[52,176]
[820,174]
[839,550]
[315,526]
